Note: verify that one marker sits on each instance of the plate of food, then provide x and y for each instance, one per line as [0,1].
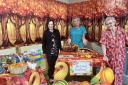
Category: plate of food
[70,48]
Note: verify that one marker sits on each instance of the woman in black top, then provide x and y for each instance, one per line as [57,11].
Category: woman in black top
[51,44]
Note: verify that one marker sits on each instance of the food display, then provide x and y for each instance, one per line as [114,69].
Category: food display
[87,53]
[17,68]
[17,65]
[70,48]
[83,53]
[71,62]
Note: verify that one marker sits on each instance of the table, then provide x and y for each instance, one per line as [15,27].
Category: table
[69,57]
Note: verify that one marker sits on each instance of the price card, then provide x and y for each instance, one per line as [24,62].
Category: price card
[80,67]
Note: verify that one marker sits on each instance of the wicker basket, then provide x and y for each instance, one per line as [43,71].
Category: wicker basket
[17,68]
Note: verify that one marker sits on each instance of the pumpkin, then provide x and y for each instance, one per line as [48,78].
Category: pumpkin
[85,83]
[107,75]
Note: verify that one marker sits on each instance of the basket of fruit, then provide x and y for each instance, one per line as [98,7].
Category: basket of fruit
[17,68]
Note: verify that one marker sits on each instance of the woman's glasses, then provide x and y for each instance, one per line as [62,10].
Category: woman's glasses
[109,23]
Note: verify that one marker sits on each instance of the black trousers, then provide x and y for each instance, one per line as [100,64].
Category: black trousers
[51,59]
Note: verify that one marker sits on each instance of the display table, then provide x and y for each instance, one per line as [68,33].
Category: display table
[70,56]
[80,65]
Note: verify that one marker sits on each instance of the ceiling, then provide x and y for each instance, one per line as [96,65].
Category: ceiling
[71,1]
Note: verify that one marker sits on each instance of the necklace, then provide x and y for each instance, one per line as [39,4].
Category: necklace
[113,33]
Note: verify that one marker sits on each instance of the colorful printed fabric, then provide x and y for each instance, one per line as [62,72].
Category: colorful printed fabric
[115,51]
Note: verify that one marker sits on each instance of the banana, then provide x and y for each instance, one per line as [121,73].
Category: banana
[34,78]
[59,27]
[11,31]
[103,28]
[23,32]
[96,32]
[1,37]
[32,28]
[64,28]
[126,26]
[69,27]
[41,31]
[90,29]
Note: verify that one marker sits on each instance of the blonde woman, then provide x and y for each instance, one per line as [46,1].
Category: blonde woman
[113,41]
[77,33]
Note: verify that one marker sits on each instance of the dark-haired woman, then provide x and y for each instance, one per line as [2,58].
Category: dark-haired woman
[51,44]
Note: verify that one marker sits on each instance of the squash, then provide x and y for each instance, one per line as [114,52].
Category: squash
[61,71]
[34,78]
[107,75]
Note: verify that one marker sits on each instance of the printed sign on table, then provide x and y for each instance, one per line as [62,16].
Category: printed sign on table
[80,67]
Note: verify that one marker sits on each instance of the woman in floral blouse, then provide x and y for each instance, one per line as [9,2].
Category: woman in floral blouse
[113,41]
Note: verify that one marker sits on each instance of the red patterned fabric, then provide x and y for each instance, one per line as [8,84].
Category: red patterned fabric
[115,50]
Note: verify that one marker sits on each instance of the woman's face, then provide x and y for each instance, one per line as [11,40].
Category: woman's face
[50,25]
[110,24]
[76,22]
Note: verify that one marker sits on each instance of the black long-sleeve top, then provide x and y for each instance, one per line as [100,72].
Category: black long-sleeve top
[47,42]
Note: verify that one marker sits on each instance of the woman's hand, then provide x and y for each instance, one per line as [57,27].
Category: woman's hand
[45,56]
[105,58]
[69,41]
[85,42]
